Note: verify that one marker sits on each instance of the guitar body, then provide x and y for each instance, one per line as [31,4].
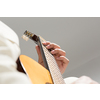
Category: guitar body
[37,73]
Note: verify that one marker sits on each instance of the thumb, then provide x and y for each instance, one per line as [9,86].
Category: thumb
[38,50]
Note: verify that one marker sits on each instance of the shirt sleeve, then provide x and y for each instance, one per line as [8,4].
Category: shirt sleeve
[8,72]
[70,80]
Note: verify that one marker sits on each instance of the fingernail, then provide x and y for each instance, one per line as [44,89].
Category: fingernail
[52,51]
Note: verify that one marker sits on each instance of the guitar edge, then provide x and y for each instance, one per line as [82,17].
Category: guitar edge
[37,73]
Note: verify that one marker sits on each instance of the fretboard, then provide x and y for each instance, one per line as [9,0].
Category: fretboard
[53,67]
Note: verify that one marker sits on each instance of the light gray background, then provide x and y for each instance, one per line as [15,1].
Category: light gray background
[79,37]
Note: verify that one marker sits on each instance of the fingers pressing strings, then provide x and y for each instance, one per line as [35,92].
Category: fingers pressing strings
[56,51]
[51,46]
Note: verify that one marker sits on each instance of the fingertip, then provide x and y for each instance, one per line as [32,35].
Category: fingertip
[36,46]
[67,59]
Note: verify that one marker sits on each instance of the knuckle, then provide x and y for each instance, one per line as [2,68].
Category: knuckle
[56,49]
[64,52]
[58,46]
[68,60]
[51,44]
[55,45]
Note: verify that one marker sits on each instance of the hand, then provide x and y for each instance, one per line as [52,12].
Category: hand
[84,80]
[58,54]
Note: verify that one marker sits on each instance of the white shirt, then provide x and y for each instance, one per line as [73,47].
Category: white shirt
[9,52]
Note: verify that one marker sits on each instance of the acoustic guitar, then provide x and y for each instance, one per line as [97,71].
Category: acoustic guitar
[50,74]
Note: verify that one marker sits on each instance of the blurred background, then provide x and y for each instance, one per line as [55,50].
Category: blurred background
[78,36]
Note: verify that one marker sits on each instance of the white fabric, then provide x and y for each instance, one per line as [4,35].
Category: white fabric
[70,80]
[9,52]
[8,33]
[9,39]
